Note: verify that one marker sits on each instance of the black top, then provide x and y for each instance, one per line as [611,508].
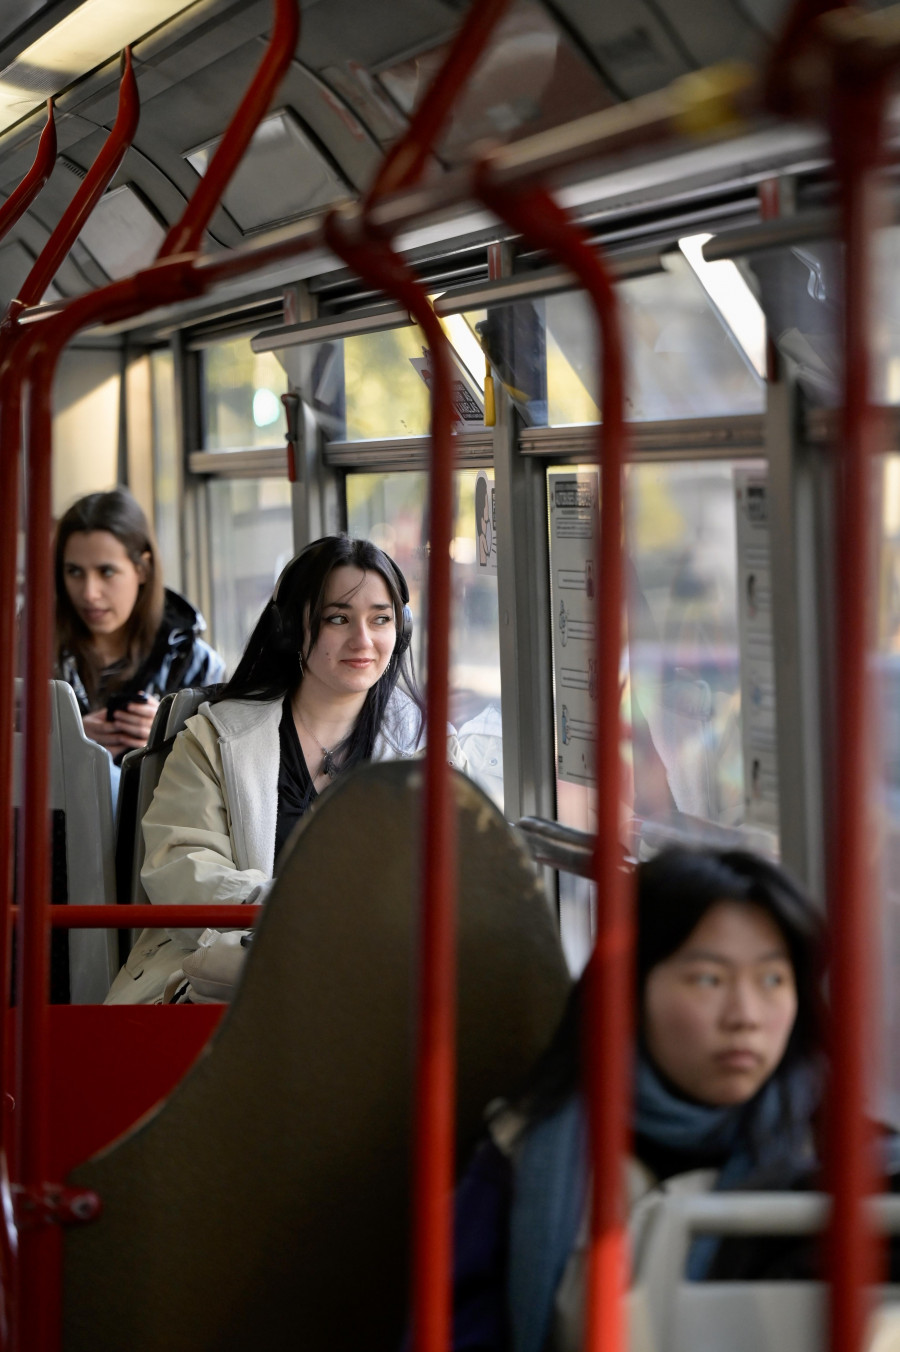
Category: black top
[664,1161]
[296,793]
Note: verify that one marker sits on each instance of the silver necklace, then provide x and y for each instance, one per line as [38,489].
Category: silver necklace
[329,765]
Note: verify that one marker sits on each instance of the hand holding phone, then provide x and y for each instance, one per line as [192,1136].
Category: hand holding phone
[122,701]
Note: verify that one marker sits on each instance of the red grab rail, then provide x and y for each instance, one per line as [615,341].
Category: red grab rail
[21,199]
[534,214]
[31,358]
[11,376]
[90,190]
[185,236]
[828,64]
[405,162]
[375,262]
[858,138]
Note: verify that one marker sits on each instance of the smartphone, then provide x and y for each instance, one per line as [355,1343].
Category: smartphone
[122,701]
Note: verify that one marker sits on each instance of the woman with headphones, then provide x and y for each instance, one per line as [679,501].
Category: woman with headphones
[325,682]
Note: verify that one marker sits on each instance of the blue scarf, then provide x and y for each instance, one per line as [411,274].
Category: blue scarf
[743,1138]
[552,1176]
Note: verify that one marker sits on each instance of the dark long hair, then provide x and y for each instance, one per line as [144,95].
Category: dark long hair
[674,891]
[270,665]
[118,513]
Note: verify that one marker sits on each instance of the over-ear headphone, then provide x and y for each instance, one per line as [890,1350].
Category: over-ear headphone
[405,627]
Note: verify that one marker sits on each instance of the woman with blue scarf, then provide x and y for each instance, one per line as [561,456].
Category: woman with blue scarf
[728,1071]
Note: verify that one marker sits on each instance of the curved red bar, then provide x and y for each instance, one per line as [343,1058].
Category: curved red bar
[404,163]
[19,201]
[186,234]
[783,94]
[89,192]
[146,917]
[534,214]
[432,1236]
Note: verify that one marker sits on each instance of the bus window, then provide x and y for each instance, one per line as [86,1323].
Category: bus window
[241,397]
[390,509]
[251,539]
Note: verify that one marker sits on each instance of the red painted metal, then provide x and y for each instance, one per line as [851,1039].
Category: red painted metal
[36,1265]
[858,133]
[19,201]
[150,917]
[375,262]
[10,432]
[534,214]
[54,1204]
[35,285]
[94,1098]
[89,192]
[405,162]
[791,89]
[187,234]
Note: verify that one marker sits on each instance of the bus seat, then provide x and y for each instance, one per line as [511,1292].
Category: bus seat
[83,845]
[742,1316]
[141,770]
[266,1202]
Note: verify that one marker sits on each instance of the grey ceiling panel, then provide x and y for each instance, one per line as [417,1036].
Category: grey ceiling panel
[373,33]
[122,234]
[282,176]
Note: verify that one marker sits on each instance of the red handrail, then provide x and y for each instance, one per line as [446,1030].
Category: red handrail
[405,162]
[534,214]
[21,199]
[376,263]
[858,138]
[90,190]
[37,1263]
[36,283]
[186,235]
[825,66]
[154,917]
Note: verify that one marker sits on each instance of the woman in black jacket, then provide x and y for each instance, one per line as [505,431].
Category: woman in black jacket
[122,639]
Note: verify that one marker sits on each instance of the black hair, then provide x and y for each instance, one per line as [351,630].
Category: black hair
[271,663]
[480,498]
[120,515]
[673,892]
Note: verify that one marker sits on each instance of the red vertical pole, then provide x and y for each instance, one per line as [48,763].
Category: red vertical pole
[858,138]
[432,1230]
[535,215]
[39,1247]
[436,1048]
[10,432]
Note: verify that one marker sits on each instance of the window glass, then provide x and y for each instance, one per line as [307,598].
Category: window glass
[166,468]
[386,395]
[683,763]
[241,394]
[391,510]
[371,386]
[683,359]
[251,539]
[801,289]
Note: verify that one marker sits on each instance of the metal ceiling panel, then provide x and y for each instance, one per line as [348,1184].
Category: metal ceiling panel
[122,233]
[282,176]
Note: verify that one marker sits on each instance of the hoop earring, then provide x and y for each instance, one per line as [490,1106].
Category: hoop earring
[300,662]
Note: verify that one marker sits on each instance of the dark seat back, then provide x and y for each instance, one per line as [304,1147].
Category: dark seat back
[82,866]
[267,1203]
[141,770]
